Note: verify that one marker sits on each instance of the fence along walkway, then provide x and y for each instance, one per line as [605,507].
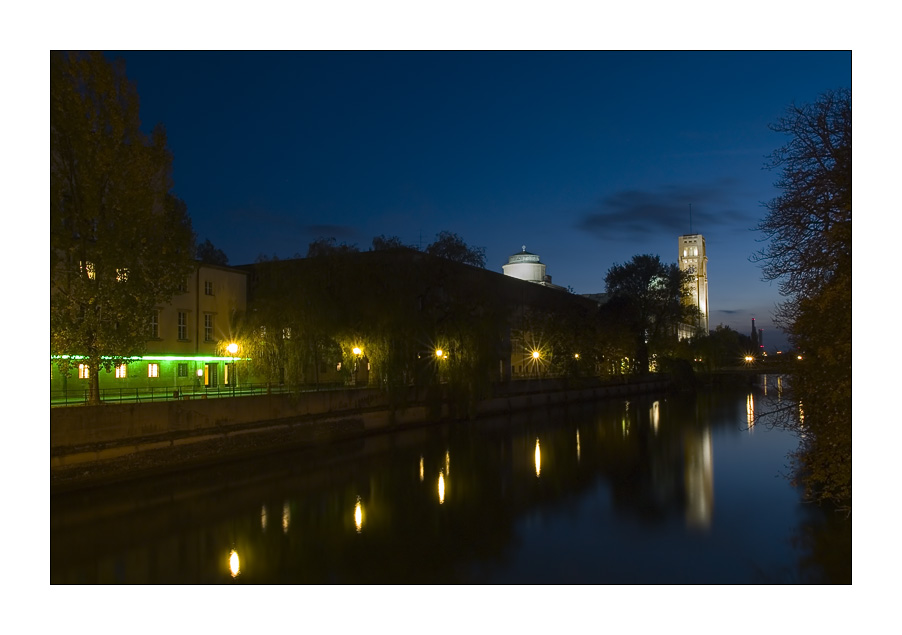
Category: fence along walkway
[169,393]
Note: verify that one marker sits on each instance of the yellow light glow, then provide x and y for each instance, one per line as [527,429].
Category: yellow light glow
[263,517]
[232,348]
[286,517]
[234,565]
[441,488]
[800,357]
[576,356]
[447,462]
[421,469]
[439,353]
[750,410]
[356,350]
[358,516]
[200,372]
[577,445]
[535,354]
[538,459]
[749,358]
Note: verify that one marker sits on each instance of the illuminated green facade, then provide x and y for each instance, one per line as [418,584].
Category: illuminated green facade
[187,353]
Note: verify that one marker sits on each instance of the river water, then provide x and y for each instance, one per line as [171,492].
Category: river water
[653,490]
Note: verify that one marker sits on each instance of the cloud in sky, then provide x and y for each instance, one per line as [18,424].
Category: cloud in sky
[634,214]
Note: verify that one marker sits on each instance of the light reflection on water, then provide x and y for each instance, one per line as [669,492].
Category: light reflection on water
[234,567]
[538,459]
[641,499]
[358,516]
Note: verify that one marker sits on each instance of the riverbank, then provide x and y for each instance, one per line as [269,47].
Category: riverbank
[92,445]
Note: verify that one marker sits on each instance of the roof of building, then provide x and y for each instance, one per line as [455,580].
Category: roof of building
[523,256]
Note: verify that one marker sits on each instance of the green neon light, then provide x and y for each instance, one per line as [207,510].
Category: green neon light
[182,358]
[162,358]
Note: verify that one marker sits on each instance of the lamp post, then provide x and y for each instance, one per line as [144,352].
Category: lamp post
[233,348]
[357,353]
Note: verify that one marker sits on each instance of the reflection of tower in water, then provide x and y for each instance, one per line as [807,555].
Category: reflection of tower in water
[698,477]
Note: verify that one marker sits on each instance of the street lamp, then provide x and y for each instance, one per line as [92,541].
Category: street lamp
[232,348]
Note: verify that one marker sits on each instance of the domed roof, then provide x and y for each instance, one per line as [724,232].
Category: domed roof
[523,256]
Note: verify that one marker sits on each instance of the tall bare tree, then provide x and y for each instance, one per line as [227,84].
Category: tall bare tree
[809,251]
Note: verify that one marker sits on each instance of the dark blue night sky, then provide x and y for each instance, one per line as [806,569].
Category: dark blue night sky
[587,158]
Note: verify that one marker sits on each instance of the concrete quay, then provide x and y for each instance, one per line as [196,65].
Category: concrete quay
[116,441]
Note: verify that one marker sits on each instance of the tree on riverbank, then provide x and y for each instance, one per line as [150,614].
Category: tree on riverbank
[649,294]
[120,242]
[809,228]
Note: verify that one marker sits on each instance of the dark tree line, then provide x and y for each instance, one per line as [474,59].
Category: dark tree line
[396,304]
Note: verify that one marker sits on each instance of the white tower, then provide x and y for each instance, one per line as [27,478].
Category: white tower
[694,260]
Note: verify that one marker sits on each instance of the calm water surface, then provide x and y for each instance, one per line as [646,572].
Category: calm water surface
[653,490]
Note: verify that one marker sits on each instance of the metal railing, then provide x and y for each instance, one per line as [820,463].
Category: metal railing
[78,396]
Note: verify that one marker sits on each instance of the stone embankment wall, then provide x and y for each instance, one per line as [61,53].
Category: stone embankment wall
[81,434]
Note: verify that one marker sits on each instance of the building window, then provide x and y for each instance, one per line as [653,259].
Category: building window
[155,324]
[183,325]
[153,370]
[183,287]
[208,287]
[208,327]
[120,371]
[88,268]
[84,372]
[229,375]
[183,370]
[211,379]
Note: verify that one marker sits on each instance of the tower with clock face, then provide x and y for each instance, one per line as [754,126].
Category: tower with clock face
[694,259]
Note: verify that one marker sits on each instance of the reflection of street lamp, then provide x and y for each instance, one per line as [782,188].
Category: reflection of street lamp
[234,564]
[232,349]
